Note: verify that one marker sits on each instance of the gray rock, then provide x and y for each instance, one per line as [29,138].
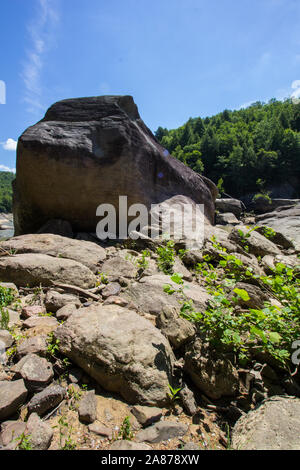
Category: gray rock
[188,400]
[129,445]
[86,253]
[191,446]
[108,152]
[6,339]
[32,310]
[57,227]
[229,205]
[257,243]
[176,329]
[100,430]
[35,345]
[12,396]
[227,219]
[87,409]
[212,373]
[54,301]
[146,415]
[34,269]
[286,222]
[36,372]
[46,321]
[65,312]
[149,296]
[274,425]
[117,267]
[39,433]
[113,288]
[121,350]
[46,400]
[12,432]
[162,431]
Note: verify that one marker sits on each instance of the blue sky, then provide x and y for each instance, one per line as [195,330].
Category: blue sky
[178,58]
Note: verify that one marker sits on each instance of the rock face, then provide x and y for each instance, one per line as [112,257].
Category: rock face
[275,425]
[87,253]
[122,351]
[88,151]
[34,269]
[284,220]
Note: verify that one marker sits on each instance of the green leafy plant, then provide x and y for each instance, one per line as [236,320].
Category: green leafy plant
[173,394]
[53,345]
[125,431]
[4,319]
[24,442]
[65,435]
[166,257]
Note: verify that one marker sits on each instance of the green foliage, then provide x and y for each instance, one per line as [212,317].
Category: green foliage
[6,296]
[65,435]
[6,179]
[166,257]
[271,329]
[143,262]
[4,319]
[125,432]
[173,394]
[251,150]
[53,345]
[24,442]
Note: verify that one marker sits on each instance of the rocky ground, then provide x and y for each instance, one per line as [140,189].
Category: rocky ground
[145,345]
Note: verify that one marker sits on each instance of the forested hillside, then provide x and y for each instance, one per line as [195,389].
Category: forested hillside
[6,179]
[250,151]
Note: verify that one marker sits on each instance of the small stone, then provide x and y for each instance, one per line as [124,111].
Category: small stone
[11,432]
[35,345]
[65,312]
[46,400]
[36,371]
[39,433]
[113,288]
[75,375]
[6,339]
[146,415]
[32,311]
[100,430]
[162,431]
[12,396]
[36,321]
[191,446]
[188,400]
[54,301]
[87,409]
[129,445]
[116,300]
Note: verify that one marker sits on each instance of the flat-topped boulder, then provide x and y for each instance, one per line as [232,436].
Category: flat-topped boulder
[88,253]
[89,151]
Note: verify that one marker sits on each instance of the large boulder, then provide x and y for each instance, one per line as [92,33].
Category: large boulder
[34,269]
[121,350]
[275,425]
[87,253]
[89,151]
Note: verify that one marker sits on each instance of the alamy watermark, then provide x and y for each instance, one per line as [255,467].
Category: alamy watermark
[169,219]
[2,92]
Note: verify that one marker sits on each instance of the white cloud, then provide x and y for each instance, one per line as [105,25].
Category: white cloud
[10,145]
[41,34]
[6,168]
